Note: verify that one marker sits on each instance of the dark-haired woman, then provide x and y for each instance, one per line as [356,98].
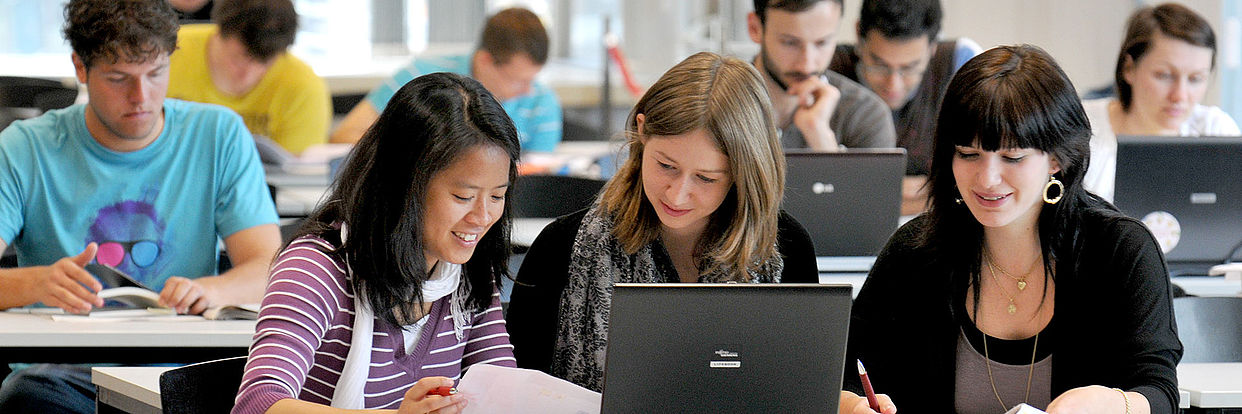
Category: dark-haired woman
[1017,286]
[389,290]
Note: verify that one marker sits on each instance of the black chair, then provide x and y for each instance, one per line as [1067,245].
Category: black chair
[205,387]
[1210,328]
[553,195]
[36,94]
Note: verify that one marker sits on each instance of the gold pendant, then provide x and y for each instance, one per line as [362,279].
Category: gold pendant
[1021,285]
[1013,309]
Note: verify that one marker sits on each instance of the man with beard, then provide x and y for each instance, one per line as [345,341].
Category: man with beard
[814,107]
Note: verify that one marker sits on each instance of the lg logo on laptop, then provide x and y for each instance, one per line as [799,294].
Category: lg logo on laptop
[821,188]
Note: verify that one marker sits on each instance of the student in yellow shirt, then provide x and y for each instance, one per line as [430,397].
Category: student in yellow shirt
[242,62]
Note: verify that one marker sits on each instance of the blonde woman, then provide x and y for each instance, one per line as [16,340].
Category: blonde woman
[698,200]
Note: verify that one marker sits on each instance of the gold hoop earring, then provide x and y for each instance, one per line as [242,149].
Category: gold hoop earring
[1052,180]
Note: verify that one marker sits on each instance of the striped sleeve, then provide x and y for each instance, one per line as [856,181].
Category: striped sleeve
[488,340]
[304,293]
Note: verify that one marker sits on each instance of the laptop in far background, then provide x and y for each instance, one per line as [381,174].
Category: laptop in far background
[848,201]
[726,348]
[1188,191]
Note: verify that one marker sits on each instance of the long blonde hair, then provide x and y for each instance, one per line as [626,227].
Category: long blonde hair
[725,97]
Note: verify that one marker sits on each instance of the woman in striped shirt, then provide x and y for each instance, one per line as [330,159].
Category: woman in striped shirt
[381,297]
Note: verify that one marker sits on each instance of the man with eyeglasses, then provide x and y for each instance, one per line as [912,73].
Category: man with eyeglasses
[899,57]
[813,106]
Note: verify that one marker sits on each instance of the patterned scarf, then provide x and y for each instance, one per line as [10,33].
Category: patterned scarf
[598,262]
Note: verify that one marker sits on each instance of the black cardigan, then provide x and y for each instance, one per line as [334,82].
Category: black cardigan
[534,306]
[1114,320]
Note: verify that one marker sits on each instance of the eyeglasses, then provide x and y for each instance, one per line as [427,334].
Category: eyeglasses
[141,252]
[882,71]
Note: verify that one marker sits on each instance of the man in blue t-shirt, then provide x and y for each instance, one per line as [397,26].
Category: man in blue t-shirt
[512,50]
[130,180]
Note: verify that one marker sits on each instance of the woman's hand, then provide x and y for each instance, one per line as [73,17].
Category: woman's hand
[1098,399]
[417,401]
[851,403]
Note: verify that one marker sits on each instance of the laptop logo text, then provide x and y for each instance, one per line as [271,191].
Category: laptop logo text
[1202,198]
[821,188]
[724,358]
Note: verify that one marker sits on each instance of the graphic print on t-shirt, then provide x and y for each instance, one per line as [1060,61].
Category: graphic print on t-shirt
[131,238]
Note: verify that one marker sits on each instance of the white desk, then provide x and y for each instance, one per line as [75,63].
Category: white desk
[36,338]
[1211,385]
[1208,285]
[128,389]
[1206,385]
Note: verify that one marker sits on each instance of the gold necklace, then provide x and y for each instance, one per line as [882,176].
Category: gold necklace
[1021,280]
[987,361]
[1012,308]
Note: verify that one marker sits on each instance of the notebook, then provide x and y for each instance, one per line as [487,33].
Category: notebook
[1188,191]
[849,201]
[725,348]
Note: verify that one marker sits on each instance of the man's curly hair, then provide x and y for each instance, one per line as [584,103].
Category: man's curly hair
[133,30]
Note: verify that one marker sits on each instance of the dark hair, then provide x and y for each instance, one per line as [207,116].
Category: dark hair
[792,6]
[133,30]
[1009,97]
[513,31]
[900,19]
[429,123]
[1170,20]
[266,27]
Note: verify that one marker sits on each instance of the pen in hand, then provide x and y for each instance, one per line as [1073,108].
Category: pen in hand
[442,391]
[866,383]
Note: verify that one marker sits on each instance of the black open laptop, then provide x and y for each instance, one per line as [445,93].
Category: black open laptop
[848,201]
[1188,190]
[726,348]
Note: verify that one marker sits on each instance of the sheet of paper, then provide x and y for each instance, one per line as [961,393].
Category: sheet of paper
[493,389]
[1024,409]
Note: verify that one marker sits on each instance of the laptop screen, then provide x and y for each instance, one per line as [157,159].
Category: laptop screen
[721,348]
[849,201]
[1188,191]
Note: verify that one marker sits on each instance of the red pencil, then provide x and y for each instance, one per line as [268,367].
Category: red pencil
[866,383]
[442,391]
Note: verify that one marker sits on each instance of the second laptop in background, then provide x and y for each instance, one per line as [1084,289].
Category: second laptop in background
[850,202]
[1188,191]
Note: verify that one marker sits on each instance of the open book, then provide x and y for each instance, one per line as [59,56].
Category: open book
[125,297]
[230,312]
[122,292]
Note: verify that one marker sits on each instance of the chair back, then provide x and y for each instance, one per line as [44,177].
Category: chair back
[33,95]
[1210,328]
[205,387]
[547,196]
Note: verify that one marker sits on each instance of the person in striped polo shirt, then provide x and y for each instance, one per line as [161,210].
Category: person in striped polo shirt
[390,288]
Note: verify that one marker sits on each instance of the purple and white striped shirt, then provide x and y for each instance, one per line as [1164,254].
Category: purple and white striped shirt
[305,327]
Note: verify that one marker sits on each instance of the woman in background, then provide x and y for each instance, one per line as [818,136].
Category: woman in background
[1017,286]
[390,289]
[1163,70]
